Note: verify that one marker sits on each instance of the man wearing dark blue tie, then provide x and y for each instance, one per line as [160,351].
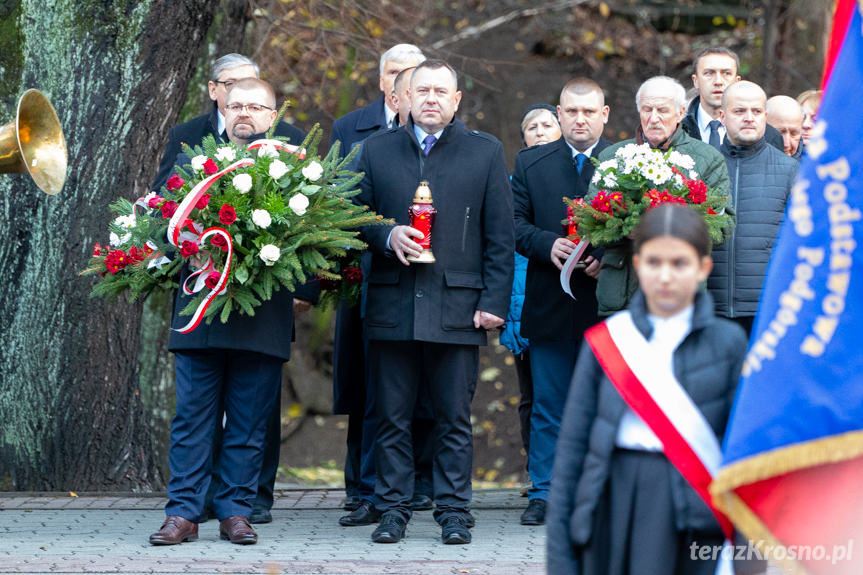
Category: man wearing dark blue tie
[425,321]
[553,321]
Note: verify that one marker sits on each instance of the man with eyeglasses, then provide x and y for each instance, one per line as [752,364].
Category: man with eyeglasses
[227,70]
[228,384]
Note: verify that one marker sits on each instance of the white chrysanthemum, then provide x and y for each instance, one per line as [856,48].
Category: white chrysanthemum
[243,182]
[681,160]
[610,180]
[299,203]
[278,169]
[270,254]
[313,171]
[262,218]
[595,178]
[198,162]
[693,175]
[678,180]
[226,154]
[608,164]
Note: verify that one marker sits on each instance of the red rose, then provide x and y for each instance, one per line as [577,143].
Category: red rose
[353,275]
[227,215]
[220,242]
[188,249]
[212,280]
[210,167]
[168,208]
[174,183]
[203,201]
[116,260]
[155,202]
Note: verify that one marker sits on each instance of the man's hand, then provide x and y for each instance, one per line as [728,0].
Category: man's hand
[485,320]
[402,244]
[560,251]
[301,306]
[592,268]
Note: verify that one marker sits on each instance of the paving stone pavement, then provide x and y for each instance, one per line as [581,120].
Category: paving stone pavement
[59,533]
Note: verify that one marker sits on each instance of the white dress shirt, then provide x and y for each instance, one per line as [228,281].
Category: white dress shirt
[668,333]
[704,120]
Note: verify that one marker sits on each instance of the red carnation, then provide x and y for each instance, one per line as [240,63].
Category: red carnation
[188,249]
[155,201]
[220,242]
[168,208]
[227,215]
[116,260]
[697,191]
[136,255]
[210,167]
[353,275]
[174,183]
[212,280]
[203,201]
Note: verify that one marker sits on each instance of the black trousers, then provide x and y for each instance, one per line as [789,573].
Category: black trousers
[398,368]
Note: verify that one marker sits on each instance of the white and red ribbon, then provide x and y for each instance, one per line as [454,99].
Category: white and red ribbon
[279,145]
[652,391]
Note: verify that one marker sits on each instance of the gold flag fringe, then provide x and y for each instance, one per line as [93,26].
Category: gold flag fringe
[780,461]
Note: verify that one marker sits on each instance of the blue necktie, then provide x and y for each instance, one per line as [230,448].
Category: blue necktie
[579,161]
[714,133]
[428,142]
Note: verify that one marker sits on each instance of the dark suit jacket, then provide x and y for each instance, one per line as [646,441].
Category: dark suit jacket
[193,133]
[472,237]
[354,127]
[543,176]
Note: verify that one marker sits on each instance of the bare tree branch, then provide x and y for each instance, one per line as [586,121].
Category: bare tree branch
[473,31]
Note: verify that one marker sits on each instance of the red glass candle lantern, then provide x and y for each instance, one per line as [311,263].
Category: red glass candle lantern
[422,214]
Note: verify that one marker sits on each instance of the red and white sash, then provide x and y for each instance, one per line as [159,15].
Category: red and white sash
[651,390]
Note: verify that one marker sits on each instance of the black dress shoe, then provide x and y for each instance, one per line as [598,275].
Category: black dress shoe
[391,529]
[535,513]
[365,514]
[352,502]
[260,515]
[421,502]
[454,530]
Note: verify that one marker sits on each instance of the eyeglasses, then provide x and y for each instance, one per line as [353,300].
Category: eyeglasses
[252,108]
[228,83]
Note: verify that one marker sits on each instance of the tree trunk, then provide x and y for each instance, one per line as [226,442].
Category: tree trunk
[117,74]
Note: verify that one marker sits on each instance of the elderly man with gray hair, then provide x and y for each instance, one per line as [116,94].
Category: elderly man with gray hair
[661,103]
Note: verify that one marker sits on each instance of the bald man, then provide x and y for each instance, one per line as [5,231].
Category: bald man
[786,115]
[761,179]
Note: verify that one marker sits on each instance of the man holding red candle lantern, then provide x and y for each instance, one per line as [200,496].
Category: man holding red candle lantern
[425,320]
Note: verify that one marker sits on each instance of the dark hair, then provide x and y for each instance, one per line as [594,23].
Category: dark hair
[435,65]
[722,50]
[677,221]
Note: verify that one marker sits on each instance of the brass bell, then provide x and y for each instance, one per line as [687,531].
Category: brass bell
[33,142]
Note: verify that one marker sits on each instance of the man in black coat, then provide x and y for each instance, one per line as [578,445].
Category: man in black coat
[425,321]
[552,320]
[713,70]
[349,365]
[232,368]
[761,180]
[226,71]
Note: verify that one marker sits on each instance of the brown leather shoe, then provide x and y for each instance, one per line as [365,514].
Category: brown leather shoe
[237,530]
[175,530]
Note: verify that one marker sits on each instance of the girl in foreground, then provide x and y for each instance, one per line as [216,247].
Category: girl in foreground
[618,506]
